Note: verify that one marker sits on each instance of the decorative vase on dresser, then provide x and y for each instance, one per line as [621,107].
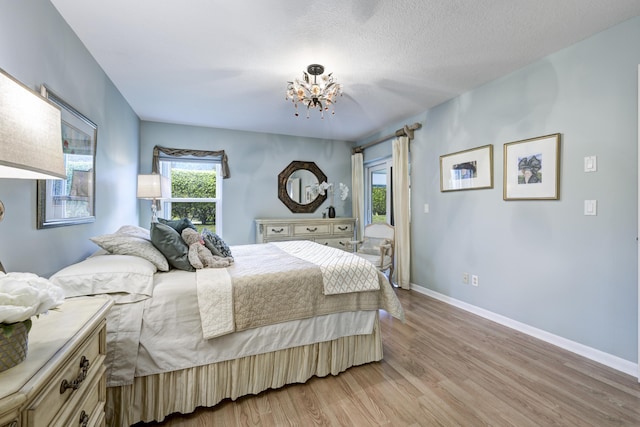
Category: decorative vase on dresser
[62,380]
[334,232]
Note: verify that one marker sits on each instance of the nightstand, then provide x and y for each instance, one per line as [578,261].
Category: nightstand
[62,380]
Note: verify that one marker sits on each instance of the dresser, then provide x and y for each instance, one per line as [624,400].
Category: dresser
[62,381]
[334,232]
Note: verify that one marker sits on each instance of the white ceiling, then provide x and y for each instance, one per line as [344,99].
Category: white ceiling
[226,63]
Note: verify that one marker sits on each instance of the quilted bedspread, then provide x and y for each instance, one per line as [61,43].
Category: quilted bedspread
[270,285]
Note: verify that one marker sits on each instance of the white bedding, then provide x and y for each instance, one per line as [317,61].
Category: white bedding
[167,341]
[215,301]
[342,272]
[156,326]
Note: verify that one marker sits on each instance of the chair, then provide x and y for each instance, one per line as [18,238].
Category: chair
[377,246]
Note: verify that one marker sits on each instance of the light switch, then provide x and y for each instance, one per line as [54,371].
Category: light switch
[590,164]
[590,207]
[426,208]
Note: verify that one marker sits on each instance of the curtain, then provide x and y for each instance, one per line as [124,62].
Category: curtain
[357,192]
[179,152]
[401,211]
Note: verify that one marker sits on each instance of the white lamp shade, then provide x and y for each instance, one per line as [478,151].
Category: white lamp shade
[30,133]
[152,186]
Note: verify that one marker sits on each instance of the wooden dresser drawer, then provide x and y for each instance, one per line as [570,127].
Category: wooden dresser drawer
[339,228]
[84,366]
[311,229]
[277,230]
[336,243]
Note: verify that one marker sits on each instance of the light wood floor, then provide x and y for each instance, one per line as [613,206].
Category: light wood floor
[445,367]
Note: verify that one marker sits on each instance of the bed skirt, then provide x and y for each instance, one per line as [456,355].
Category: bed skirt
[153,397]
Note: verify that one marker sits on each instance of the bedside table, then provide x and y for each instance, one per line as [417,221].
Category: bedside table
[62,380]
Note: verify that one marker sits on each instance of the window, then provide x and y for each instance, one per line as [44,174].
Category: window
[195,191]
[378,200]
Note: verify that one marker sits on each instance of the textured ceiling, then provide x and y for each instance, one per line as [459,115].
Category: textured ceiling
[225,64]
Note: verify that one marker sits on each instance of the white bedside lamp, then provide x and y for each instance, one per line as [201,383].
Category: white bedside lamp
[152,187]
[30,135]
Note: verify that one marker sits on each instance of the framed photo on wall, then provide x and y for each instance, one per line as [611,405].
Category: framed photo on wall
[467,170]
[532,169]
[70,201]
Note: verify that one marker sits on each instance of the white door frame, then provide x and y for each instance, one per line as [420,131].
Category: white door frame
[638,306]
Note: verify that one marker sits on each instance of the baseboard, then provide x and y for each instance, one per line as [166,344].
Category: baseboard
[606,359]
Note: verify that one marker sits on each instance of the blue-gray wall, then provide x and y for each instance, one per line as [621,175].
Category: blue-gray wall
[542,263]
[539,262]
[37,47]
[255,160]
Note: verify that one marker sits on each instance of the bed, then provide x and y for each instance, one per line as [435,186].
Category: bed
[281,313]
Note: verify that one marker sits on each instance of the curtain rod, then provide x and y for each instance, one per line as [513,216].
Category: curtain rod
[405,131]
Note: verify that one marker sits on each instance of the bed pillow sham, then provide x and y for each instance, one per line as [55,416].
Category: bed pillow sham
[178,224]
[170,243]
[129,278]
[134,230]
[122,243]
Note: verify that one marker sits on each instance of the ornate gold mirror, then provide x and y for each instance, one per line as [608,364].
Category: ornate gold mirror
[298,187]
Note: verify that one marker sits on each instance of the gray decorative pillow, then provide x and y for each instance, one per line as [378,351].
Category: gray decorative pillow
[215,244]
[127,244]
[178,224]
[371,245]
[170,243]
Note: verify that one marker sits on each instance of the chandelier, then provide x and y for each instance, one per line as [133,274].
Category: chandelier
[314,94]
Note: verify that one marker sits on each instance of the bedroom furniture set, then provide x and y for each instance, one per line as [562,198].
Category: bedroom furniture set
[283,312]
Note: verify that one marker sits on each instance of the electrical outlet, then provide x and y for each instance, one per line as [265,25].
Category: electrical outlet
[474,280]
[465,278]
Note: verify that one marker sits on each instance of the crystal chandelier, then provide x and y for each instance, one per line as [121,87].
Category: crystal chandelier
[318,95]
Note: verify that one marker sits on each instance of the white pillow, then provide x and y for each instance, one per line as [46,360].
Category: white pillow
[134,230]
[131,244]
[128,275]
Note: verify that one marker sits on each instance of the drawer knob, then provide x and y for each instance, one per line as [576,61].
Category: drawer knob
[75,384]
[311,230]
[84,419]
[343,228]
[280,230]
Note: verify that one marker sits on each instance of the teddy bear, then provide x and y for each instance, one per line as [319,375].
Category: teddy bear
[199,255]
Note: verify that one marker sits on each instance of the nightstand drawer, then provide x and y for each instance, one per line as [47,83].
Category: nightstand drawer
[80,371]
[90,408]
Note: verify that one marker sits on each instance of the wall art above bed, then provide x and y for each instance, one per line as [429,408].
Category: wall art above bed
[467,170]
[70,201]
[532,169]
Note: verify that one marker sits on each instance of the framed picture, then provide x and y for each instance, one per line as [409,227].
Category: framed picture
[70,201]
[467,170]
[532,169]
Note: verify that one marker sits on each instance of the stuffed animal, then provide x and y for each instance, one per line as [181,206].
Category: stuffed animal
[199,255]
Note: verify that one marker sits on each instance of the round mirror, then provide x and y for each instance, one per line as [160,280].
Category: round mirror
[298,187]
[302,186]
